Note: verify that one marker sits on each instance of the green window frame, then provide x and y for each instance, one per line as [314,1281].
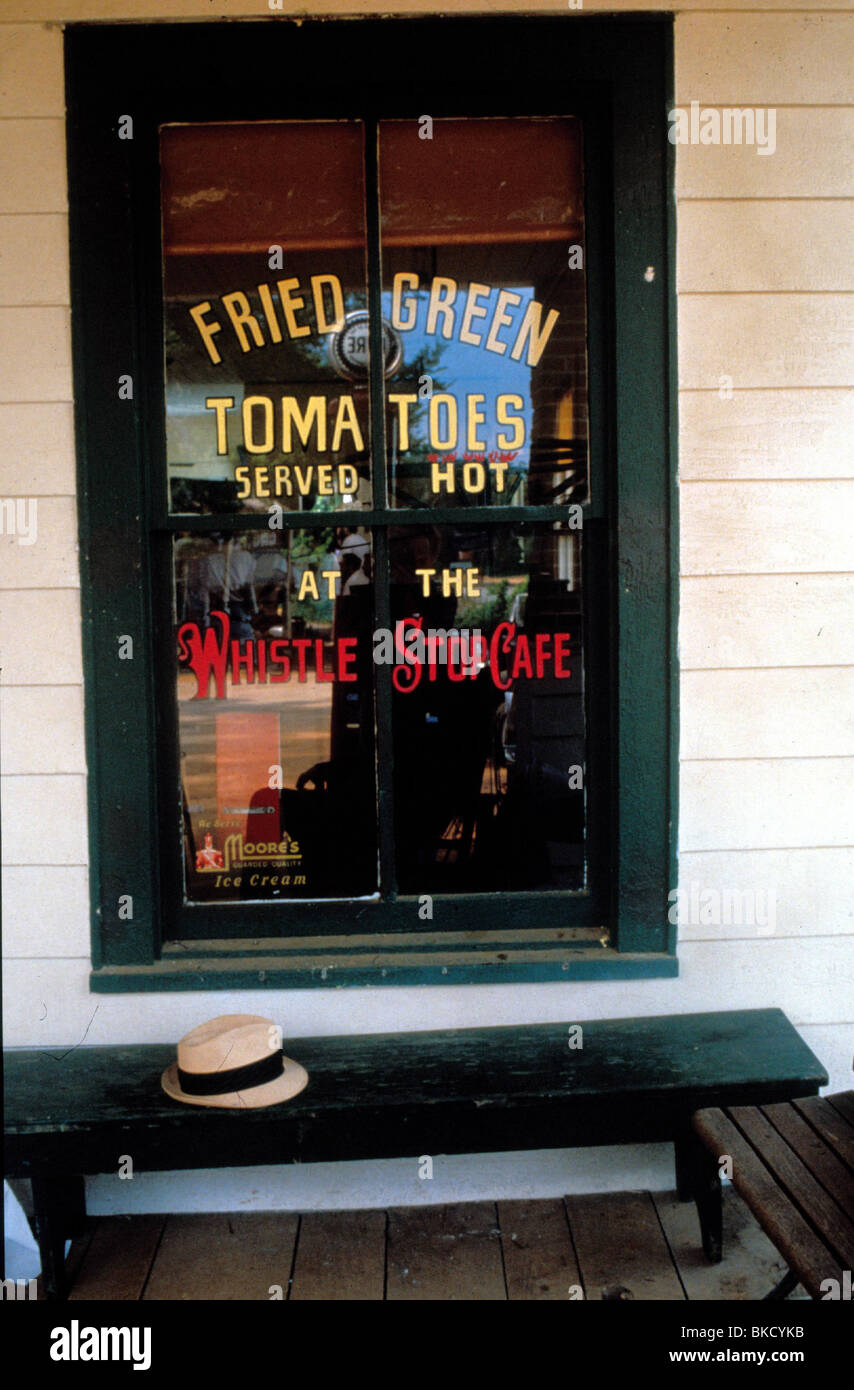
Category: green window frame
[617,76]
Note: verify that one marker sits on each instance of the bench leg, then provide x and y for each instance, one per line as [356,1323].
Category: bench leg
[698,1177]
[782,1290]
[59,1211]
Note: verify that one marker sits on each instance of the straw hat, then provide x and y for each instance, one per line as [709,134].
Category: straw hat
[235,1062]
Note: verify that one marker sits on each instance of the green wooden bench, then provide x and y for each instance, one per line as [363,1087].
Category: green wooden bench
[403,1094]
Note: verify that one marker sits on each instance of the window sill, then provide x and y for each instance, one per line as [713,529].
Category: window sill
[457,958]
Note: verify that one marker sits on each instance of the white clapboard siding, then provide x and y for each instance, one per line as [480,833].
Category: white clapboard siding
[764,59]
[760,528]
[32,165]
[805,164]
[795,713]
[763,973]
[34,259]
[810,890]
[766,434]
[766,620]
[766,804]
[41,729]
[35,354]
[70,10]
[46,911]
[37,449]
[44,820]
[35,621]
[51,562]
[738,244]
[31,77]
[765,340]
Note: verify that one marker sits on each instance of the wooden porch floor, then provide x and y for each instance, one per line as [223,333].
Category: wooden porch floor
[638,1245]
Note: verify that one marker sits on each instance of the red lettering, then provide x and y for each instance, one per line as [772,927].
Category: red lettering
[204,656]
[561,641]
[279,654]
[346,652]
[542,642]
[405,677]
[522,656]
[501,641]
[325,677]
[301,646]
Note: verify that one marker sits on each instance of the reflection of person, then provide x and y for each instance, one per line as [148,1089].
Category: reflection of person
[223,579]
[208,857]
[353,561]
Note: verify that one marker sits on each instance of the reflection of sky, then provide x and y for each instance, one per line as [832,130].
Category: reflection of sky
[458,369]
[462,369]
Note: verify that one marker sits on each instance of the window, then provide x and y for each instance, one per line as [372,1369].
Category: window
[373,396]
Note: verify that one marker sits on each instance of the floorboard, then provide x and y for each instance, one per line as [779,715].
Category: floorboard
[539,1259]
[443,1253]
[233,1257]
[118,1259]
[340,1255]
[622,1252]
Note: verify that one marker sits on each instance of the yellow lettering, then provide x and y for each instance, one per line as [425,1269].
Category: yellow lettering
[403,403]
[346,420]
[220,404]
[250,405]
[324,323]
[270,313]
[473,310]
[404,278]
[425,581]
[500,319]
[530,329]
[315,415]
[442,477]
[517,439]
[307,582]
[475,417]
[443,292]
[474,477]
[241,476]
[237,307]
[289,304]
[450,404]
[207,330]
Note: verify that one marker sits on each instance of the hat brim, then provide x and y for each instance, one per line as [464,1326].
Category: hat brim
[293,1080]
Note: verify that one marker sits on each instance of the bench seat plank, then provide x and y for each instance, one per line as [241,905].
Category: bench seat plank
[822,1211]
[794,1237]
[387,1095]
[818,1156]
[826,1119]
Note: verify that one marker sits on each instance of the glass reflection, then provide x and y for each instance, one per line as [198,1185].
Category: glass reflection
[489,732]
[264,281]
[275,714]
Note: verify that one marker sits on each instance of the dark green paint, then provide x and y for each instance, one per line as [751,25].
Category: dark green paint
[617,76]
[393,1094]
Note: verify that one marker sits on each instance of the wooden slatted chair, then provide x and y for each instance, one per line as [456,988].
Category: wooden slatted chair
[793,1164]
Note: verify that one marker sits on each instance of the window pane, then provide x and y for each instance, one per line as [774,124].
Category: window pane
[489,735]
[275,715]
[264,276]
[484,290]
